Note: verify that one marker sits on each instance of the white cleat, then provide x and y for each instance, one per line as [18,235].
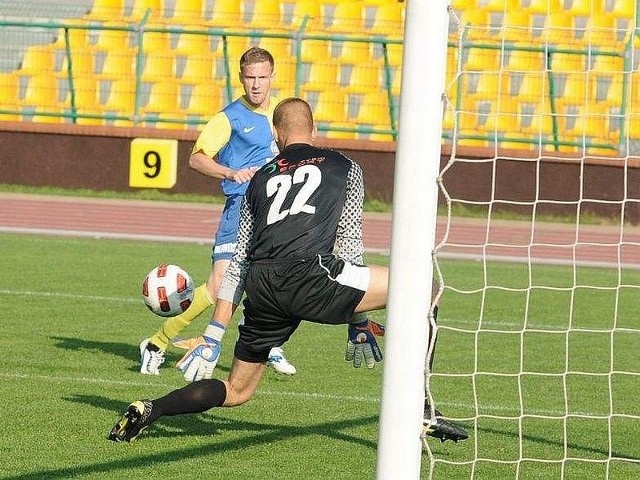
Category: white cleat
[279,363]
[151,357]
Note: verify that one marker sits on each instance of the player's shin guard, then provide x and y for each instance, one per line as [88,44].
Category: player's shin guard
[173,326]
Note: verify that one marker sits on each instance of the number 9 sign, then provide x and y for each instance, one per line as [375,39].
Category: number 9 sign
[153,163]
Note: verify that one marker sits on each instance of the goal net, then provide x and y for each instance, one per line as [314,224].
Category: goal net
[538,245]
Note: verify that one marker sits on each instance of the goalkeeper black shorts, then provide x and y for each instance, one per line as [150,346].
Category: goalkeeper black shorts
[281,293]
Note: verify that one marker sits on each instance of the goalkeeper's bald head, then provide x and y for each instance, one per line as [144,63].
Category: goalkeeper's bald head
[293,122]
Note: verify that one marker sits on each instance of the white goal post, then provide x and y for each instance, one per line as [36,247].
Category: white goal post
[539,319]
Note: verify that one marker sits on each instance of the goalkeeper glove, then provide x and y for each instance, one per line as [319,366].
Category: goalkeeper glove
[202,353]
[362,343]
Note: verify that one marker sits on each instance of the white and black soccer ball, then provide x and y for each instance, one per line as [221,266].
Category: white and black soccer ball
[167,290]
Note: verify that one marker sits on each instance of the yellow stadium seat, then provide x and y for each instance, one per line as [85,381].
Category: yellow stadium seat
[568,62]
[167,121]
[342,130]
[322,76]
[38,59]
[576,89]
[42,91]
[544,7]
[351,53]
[309,11]
[558,28]
[158,66]
[481,59]
[377,136]
[226,13]
[163,98]
[205,100]
[388,19]
[83,62]
[523,60]
[78,37]
[475,24]
[500,6]
[278,47]
[585,7]
[266,14]
[236,46]
[601,31]
[624,9]
[119,64]
[192,44]
[113,38]
[533,88]
[85,93]
[140,7]
[9,91]
[460,5]
[364,78]
[516,26]
[188,12]
[106,10]
[284,74]
[156,42]
[314,50]
[331,106]
[198,69]
[121,98]
[374,109]
[485,85]
[394,52]
[348,17]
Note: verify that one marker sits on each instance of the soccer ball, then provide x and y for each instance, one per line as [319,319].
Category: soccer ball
[167,290]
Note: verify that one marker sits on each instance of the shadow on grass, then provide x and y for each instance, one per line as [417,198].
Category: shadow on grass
[124,350]
[201,424]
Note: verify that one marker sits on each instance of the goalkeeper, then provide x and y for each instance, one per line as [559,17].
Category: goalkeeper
[296,209]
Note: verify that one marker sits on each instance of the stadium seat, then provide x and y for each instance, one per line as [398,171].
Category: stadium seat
[198,69]
[314,51]
[121,98]
[42,91]
[188,12]
[568,62]
[140,8]
[166,121]
[85,93]
[112,40]
[348,17]
[523,60]
[236,46]
[584,8]
[226,13]
[544,7]
[364,78]
[394,53]
[9,93]
[192,44]
[119,64]
[499,6]
[105,10]
[205,100]
[481,59]
[340,130]
[266,14]
[322,76]
[474,24]
[601,31]
[284,75]
[388,19]
[516,26]
[558,28]
[331,106]
[310,11]
[37,59]
[78,36]
[351,53]
[156,42]
[83,62]
[623,9]
[158,66]
[278,47]
[373,110]
[533,88]
[163,98]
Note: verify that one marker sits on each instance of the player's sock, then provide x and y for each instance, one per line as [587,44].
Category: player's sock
[173,326]
[197,397]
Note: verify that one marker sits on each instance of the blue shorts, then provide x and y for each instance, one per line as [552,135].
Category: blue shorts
[225,240]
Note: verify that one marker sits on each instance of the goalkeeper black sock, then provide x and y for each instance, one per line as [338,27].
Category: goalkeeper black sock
[197,397]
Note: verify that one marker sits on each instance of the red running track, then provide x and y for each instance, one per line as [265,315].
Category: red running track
[187,222]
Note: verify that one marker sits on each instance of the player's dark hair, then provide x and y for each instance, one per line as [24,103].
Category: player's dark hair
[293,114]
[256,55]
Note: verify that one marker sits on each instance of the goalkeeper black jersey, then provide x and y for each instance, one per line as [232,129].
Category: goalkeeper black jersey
[306,201]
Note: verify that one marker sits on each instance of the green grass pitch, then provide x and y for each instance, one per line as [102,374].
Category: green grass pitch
[72,318]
